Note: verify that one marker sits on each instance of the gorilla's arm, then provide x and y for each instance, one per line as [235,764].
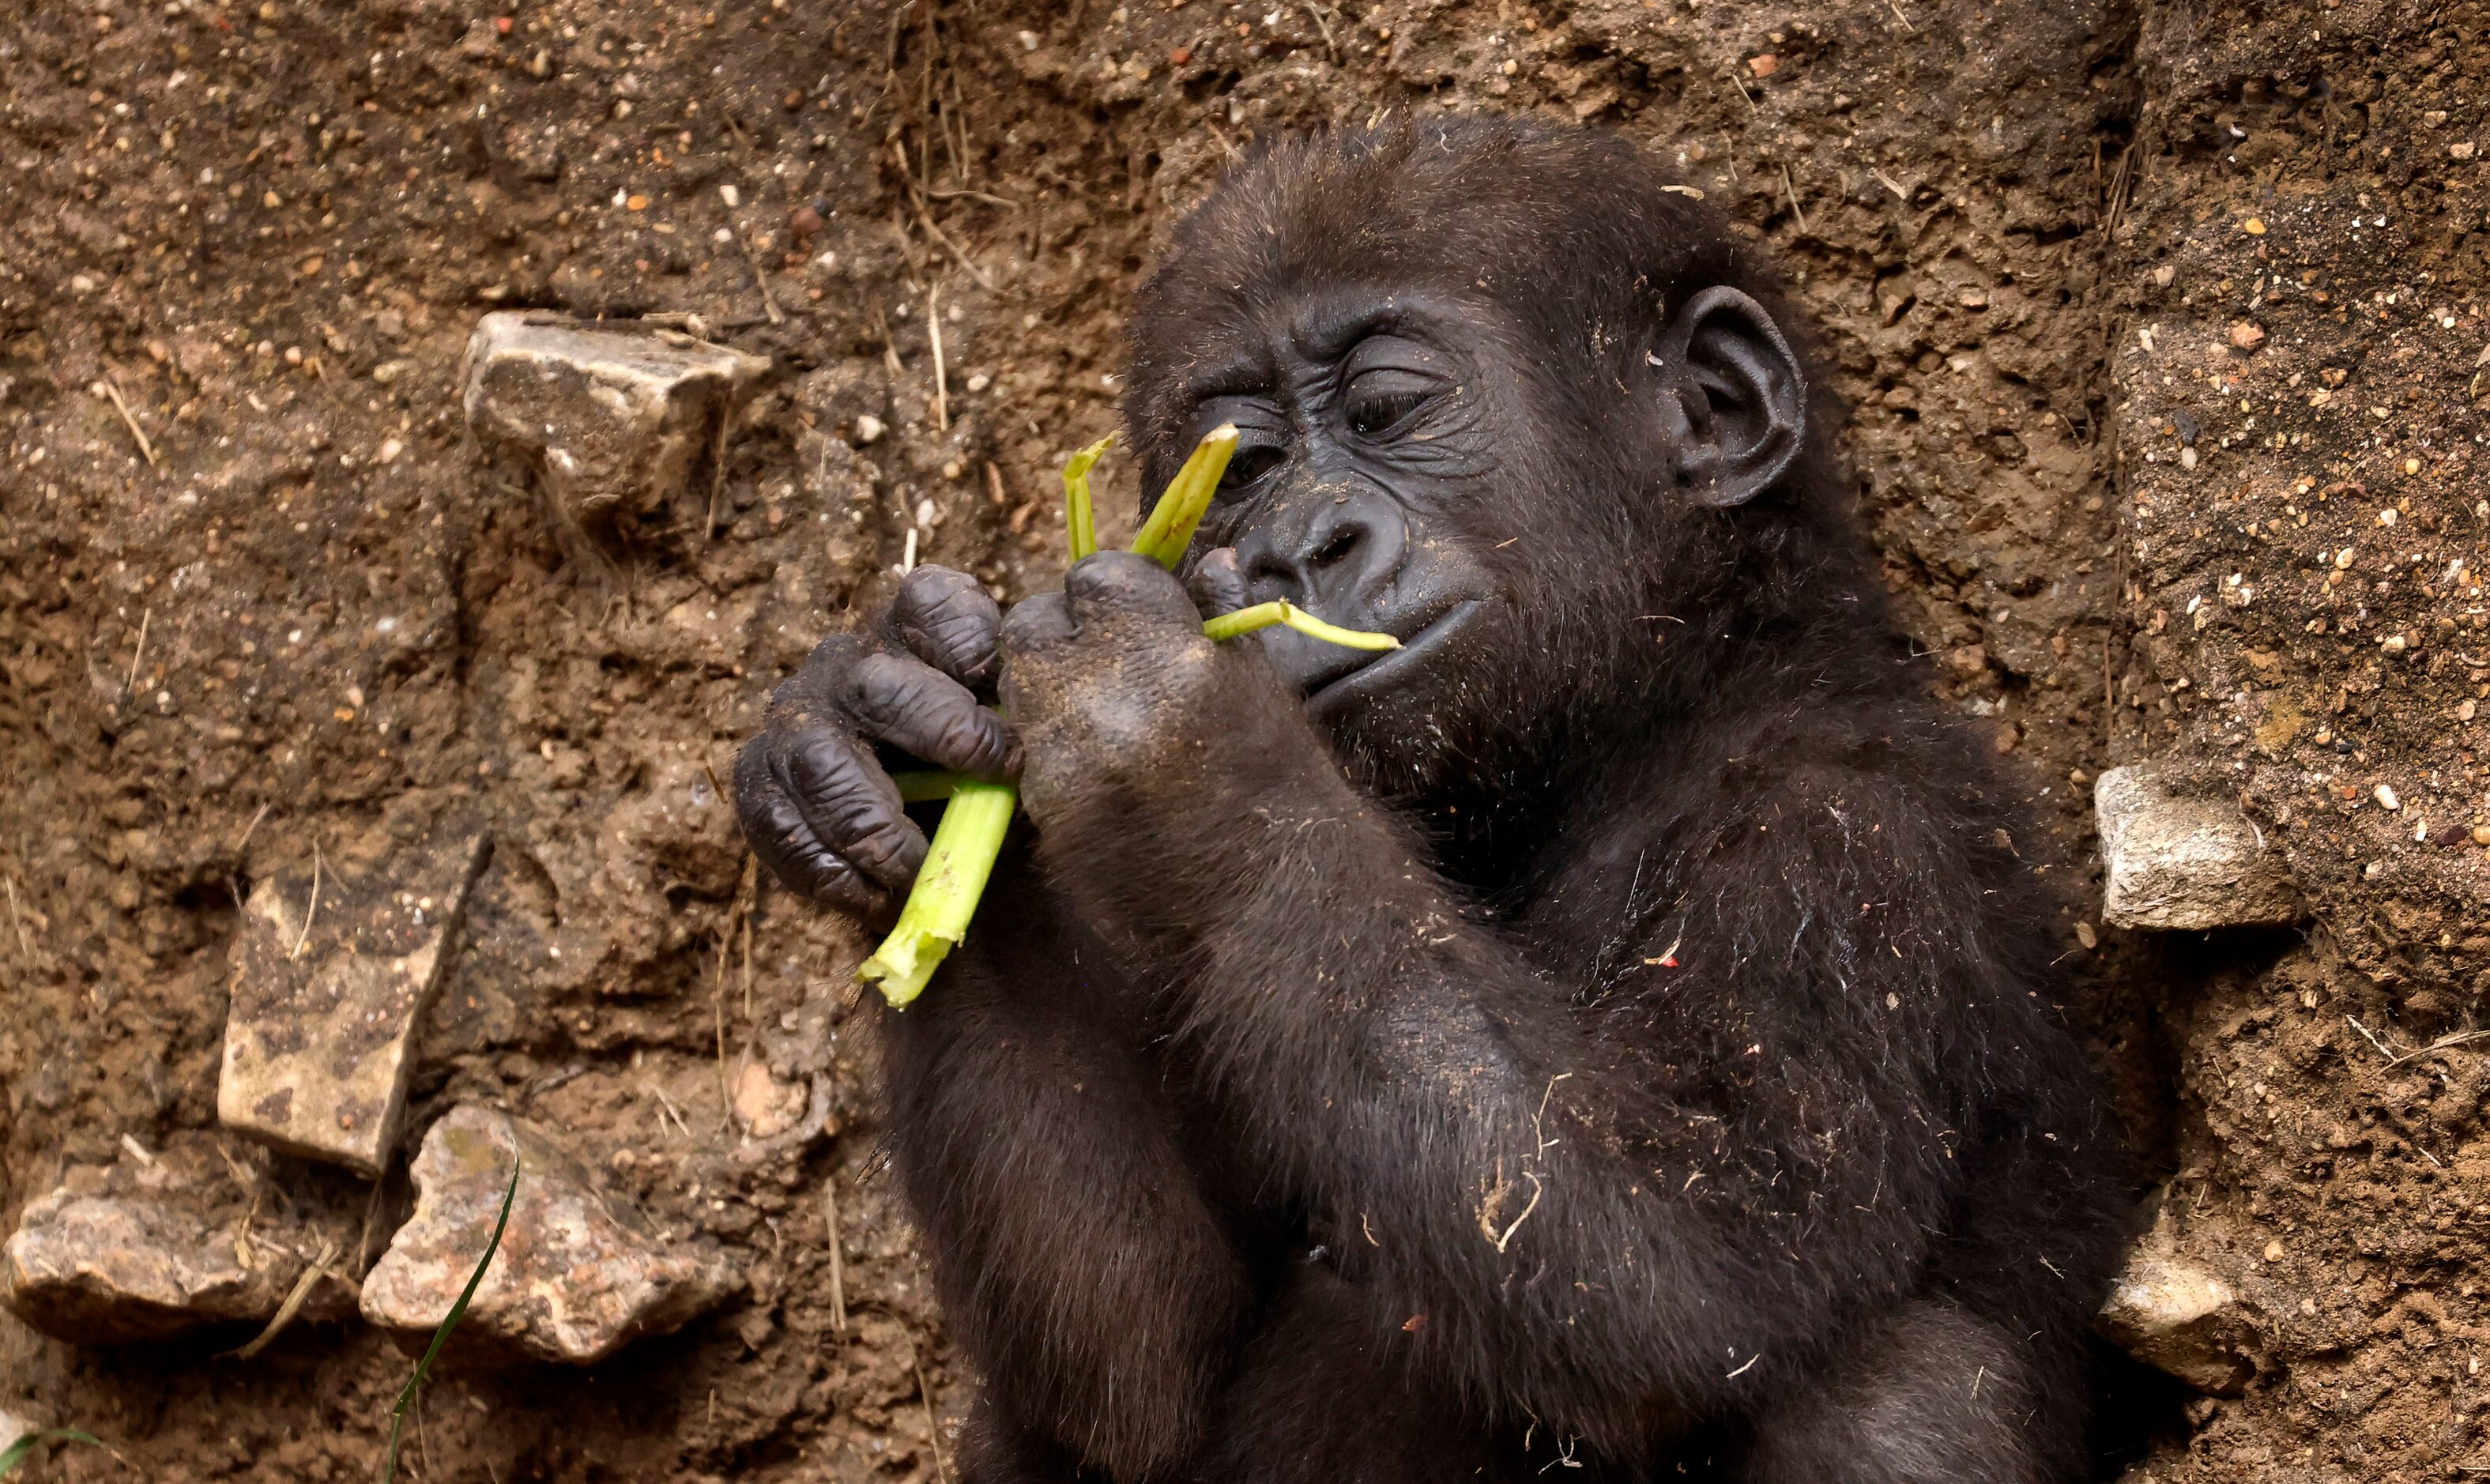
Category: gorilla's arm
[1076,1257]
[1608,1218]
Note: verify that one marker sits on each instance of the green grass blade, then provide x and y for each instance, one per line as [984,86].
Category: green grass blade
[1080,522]
[448,1323]
[1244,620]
[16,1453]
[1169,531]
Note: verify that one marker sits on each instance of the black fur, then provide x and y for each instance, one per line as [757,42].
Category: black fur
[1625,1040]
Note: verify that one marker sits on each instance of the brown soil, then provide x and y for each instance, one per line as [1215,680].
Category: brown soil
[317,615]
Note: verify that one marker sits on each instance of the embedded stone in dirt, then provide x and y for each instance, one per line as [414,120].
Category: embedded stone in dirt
[611,419]
[319,1040]
[100,1269]
[2179,1316]
[2177,861]
[579,1272]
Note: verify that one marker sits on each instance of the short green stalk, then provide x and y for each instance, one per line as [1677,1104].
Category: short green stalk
[1244,620]
[1080,525]
[969,838]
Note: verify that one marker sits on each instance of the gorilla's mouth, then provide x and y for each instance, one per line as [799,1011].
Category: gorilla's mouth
[1364,673]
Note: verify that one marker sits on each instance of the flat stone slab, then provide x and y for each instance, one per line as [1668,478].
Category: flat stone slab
[612,417]
[579,1274]
[2176,862]
[318,1040]
[102,1261]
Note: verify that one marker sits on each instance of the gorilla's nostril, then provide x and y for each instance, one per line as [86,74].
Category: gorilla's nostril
[1336,546]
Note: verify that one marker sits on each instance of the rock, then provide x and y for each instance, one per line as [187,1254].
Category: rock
[127,1254]
[2176,862]
[611,419]
[579,1271]
[2179,1316]
[317,1044]
[763,1105]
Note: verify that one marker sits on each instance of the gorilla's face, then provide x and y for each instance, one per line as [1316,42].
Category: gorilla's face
[1516,512]
[1372,485]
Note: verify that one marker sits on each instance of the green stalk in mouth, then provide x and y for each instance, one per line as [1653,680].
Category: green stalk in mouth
[968,840]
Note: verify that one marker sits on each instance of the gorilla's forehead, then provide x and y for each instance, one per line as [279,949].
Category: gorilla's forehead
[1254,344]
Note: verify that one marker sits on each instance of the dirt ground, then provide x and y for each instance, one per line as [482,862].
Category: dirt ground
[309,613]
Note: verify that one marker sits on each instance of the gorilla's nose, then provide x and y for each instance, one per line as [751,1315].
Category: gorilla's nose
[1330,554]
[1334,551]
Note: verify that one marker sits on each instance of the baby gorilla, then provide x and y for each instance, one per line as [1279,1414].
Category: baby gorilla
[1611,1030]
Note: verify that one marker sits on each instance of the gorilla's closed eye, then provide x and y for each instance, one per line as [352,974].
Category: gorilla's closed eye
[1248,466]
[1381,400]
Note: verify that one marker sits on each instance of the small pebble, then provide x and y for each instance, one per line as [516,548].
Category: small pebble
[2461,149]
[980,382]
[2246,336]
[868,430]
[729,195]
[1764,66]
[391,448]
[2386,796]
[2253,226]
[807,222]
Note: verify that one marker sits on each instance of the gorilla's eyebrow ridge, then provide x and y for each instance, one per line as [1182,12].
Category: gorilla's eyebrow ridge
[1327,332]
[1239,375]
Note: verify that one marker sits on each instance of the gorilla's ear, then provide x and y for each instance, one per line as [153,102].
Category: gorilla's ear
[1733,400]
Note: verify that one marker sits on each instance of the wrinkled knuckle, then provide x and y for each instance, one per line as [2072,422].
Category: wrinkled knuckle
[884,688]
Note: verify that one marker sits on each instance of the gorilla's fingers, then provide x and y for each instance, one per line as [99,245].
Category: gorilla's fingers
[1127,582]
[788,846]
[926,713]
[947,621]
[854,809]
[1216,585]
[1035,623]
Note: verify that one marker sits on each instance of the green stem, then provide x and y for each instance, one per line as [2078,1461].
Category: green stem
[970,837]
[1169,531]
[948,886]
[1244,620]
[924,785]
[1081,525]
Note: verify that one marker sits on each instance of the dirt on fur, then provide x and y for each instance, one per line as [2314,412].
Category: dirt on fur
[261,598]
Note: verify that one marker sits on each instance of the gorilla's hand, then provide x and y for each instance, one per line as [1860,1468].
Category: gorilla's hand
[1120,697]
[817,805]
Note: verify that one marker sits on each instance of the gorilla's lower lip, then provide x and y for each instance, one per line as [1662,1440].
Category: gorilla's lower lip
[1383,670]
